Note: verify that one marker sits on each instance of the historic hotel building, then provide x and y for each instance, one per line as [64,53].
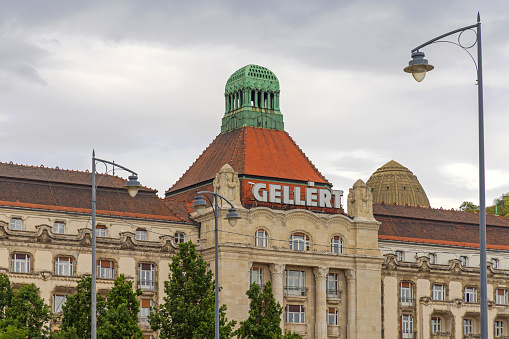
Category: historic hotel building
[393,269]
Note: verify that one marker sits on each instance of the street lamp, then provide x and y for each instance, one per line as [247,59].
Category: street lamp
[199,205]
[132,185]
[418,66]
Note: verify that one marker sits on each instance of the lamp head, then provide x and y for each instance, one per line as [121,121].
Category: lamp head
[199,204]
[232,216]
[418,66]
[133,185]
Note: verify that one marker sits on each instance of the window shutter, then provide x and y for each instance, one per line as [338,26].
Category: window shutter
[145,303]
[107,264]
[500,291]
[146,267]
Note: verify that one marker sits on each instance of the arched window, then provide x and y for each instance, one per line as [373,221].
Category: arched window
[261,238]
[21,263]
[299,241]
[105,269]
[336,244]
[63,266]
[146,276]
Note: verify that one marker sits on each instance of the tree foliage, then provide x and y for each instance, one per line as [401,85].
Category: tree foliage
[5,294]
[188,308]
[500,206]
[264,316]
[469,206]
[27,312]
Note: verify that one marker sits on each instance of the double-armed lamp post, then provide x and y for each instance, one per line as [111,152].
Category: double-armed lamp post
[132,186]
[199,206]
[418,66]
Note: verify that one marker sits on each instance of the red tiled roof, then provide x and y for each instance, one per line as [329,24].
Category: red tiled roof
[252,151]
[441,227]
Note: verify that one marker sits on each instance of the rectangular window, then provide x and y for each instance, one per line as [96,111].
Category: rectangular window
[294,283]
[499,328]
[332,316]
[146,277]
[145,306]
[468,326]
[332,285]
[399,256]
[100,231]
[494,262]
[58,227]
[436,325]
[294,314]
[21,263]
[63,266]
[470,295]
[256,276]
[141,234]
[105,269]
[432,258]
[261,238]
[180,237]
[16,224]
[407,326]
[501,296]
[58,303]
[406,294]
[438,292]
[463,260]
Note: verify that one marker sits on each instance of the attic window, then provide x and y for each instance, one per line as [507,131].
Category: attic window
[387,187]
[404,187]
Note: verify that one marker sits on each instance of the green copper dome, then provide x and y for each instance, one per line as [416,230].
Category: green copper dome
[252,99]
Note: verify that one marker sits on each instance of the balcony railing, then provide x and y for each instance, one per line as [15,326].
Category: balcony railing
[408,335]
[441,335]
[147,285]
[295,290]
[403,301]
[333,293]
[143,320]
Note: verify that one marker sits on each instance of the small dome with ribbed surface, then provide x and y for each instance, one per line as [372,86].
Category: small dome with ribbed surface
[394,183]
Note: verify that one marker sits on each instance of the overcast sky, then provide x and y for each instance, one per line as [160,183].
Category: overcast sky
[142,82]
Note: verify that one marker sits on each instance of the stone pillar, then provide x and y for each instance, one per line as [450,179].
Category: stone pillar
[351,328]
[321,302]
[276,101]
[262,99]
[256,98]
[226,110]
[277,271]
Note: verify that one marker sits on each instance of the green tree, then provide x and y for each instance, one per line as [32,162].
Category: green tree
[500,206]
[264,316]
[121,315]
[469,206]
[76,313]
[11,332]
[5,294]
[27,311]
[188,308]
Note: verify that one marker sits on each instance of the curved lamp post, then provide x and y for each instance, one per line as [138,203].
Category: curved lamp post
[199,206]
[132,186]
[418,66]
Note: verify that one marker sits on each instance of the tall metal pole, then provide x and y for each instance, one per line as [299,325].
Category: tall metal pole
[94,262]
[216,217]
[482,188]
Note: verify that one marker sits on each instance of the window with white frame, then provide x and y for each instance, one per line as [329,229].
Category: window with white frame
[141,234]
[406,293]
[294,314]
[180,237]
[100,230]
[336,244]
[438,292]
[59,227]
[294,283]
[470,294]
[63,266]
[501,296]
[407,326]
[256,276]
[105,269]
[436,325]
[146,276]
[332,285]
[464,260]
[468,326]
[299,241]
[399,255]
[494,262]
[499,328]
[332,316]
[432,258]
[16,224]
[261,238]
[145,306]
[58,302]
[21,263]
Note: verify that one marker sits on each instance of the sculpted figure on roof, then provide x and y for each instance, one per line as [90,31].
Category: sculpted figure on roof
[227,184]
[360,201]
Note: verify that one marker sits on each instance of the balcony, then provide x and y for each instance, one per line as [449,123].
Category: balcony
[406,302]
[147,285]
[408,335]
[295,290]
[333,331]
